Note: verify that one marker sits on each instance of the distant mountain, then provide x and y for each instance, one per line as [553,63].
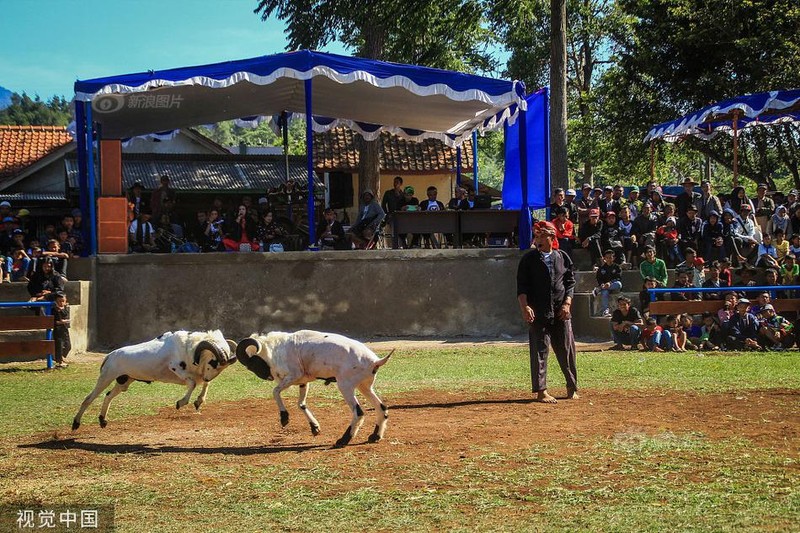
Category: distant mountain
[5,98]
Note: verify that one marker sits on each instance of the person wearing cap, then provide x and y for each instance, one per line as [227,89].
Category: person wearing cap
[686,197]
[633,202]
[764,206]
[586,203]
[707,201]
[589,235]
[5,209]
[571,205]
[608,202]
[742,329]
[776,332]
[545,286]
[690,228]
[612,237]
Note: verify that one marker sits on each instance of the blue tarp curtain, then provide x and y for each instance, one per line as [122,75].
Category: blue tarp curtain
[528,170]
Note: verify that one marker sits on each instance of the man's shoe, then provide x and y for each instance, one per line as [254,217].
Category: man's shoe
[617,347]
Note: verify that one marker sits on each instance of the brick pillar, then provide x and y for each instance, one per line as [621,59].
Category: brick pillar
[112,206]
[111,168]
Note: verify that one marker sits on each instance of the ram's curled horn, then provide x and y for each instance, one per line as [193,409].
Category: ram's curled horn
[241,349]
[203,346]
[232,347]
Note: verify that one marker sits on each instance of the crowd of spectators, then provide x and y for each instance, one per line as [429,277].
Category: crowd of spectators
[725,242]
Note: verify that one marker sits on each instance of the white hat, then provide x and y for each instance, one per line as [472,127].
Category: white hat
[5,203]
[571,192]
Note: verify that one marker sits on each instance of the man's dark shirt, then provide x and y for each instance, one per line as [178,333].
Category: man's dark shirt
[587,230]
[708,284]
[392,201]
[682,203]
[608,273]
[633,316]
[643,225]
[545,298]
[743,327]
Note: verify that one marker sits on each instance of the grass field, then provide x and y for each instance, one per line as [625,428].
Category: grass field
[657,441]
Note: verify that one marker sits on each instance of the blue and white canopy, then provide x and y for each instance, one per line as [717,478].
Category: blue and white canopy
[367,95]
[774,107]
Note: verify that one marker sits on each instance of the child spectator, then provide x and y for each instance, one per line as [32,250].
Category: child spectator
[767,255]
[19,265]
[725,275]
[781,244]
[776,331]
[609,280]
[693,330]
[794,245]
[653,267]
[728,308]
[565,230]
[673,324]
[711,333]
[64,244]
[58,257]
[61,329]
[626,324]
[644,295]
[788,272]
[667,238]
[713,238]
[655,338]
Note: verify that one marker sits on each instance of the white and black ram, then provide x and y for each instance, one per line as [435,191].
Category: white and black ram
[304,356]
[181,357]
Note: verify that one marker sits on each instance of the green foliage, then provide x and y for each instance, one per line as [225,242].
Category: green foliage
[27,111]
[228,134]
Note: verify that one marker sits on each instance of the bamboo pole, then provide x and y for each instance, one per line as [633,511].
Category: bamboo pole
[652,161]
[735,148]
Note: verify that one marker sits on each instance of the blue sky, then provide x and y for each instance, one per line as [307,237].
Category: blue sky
[46,45]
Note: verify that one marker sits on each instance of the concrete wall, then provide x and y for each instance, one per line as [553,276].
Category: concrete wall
[443,293]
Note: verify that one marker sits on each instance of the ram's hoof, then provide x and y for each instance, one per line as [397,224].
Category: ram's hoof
[284,418]
[197,405]
[315,430]
[374,437]
[75,424]
[103,422]
[178,404]
[344,440]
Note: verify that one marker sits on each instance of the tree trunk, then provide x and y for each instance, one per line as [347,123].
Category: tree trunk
[369,165]
[559,176]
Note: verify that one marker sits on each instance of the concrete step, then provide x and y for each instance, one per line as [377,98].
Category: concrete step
[585,281]
[18,292]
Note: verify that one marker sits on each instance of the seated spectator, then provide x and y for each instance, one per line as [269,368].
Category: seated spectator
[565,231]
[608,202]
[331,232]
[19,265]
[430,204]
[789,272]
[655,338]
[730,235]
[45,283]
[780,243]
[214,232]
[585,204]
[713,282]
[135,201]
[64,241]
[629,244]
[667,241]
[196,232]
[779,221]
[626,325]
[571,205]
[688,265]
[767,255]
[728,309]
[794,245]
[690,229]
[633,204]
[748,233]
[746,275]
[559,202]
[725,274]
[762,298]
[240,235]
[141,233]
[269,232]
[712,237]
[589,235]
[644,295]
[35,253]
[609,280]
[682,282]
[370,215]
[49,233]
[776,332]
[459,202]
[693,330]
[710,334]
[611,237]
[75,237]
[673,324]
[653,267]
[644,228]
[742,329]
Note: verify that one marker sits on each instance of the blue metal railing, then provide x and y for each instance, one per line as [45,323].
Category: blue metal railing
[771,289]
[47,307]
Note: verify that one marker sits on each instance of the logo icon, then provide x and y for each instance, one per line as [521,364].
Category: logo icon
[108,103]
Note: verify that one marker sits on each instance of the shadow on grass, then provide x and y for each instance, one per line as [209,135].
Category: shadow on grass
[73,444]
[18,369]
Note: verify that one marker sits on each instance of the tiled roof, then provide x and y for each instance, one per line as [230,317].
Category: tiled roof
[336,149]
[202,172]
[32,197]
[21,146]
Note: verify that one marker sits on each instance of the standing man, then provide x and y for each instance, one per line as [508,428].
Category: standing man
[546,308]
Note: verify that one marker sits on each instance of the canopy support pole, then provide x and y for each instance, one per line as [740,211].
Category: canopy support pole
[736,148]
[285,124]
[652,161]
[525,212]
[83,179]
[475,160]
[92,203]
[458,166]
[312,230]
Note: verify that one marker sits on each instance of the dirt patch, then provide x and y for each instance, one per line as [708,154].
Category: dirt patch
[430,427]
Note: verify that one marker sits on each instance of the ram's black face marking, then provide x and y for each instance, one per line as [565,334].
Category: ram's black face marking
[214,363]
[183,365]
[259,367]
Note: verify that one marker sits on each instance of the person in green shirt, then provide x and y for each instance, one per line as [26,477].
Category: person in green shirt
[653,267]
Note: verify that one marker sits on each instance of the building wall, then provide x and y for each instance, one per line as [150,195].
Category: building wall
[50,179]
[443,293]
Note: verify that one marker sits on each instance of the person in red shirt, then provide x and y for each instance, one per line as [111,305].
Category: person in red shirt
[667,237]
[565,230]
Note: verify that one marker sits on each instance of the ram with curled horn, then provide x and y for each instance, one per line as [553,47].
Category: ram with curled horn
[181,357]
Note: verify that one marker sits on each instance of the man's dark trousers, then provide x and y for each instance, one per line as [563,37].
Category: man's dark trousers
[558,333]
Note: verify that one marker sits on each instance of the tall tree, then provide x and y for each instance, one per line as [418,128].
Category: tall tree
[559,175]
[27,111]
[447,34]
